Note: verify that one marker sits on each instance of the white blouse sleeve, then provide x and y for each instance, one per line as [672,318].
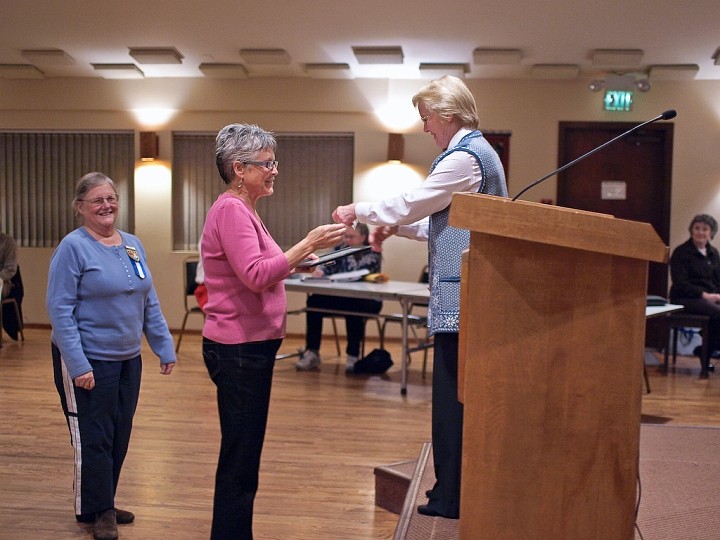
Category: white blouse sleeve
[458,172]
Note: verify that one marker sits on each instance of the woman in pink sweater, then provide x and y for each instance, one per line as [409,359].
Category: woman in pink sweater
[245,315]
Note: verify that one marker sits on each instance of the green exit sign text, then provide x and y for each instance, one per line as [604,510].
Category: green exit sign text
[618,100]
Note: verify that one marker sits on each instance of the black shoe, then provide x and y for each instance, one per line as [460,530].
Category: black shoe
[711,367]
[105,525]
[425,510]
[428,494]
[123,517]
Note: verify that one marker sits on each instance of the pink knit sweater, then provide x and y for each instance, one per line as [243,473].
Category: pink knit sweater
[244,273]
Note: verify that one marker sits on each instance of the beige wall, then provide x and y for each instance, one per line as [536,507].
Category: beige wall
[530,109]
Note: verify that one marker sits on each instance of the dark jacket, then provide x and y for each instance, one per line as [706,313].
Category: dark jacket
[692,272]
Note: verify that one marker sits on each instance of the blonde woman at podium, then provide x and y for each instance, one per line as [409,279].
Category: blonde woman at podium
[467,164]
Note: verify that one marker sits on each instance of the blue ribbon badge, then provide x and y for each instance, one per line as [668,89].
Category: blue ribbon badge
[136,263]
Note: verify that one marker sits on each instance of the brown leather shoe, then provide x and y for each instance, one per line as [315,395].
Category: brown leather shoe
[106,525]
[123,517]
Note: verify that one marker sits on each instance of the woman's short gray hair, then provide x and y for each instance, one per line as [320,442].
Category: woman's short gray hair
[708,220]
[447,96]
[89,181]
[240,142]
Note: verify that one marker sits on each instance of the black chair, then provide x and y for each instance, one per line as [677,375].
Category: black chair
[191,308]
[681,319]
[333,319]
[11,309]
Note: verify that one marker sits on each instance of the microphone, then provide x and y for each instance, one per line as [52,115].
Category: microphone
[667,115]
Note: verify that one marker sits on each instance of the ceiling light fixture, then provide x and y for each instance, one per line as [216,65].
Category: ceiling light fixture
[438,70]
[20,71]
[48,57]
[155,55]
[673,72]
[119,71]
[555,71]
[499,57]
[265,56]
[618,58]
[329,71]
[223,71]
[378,55]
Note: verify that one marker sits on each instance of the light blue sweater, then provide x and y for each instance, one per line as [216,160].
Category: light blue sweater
[99,308]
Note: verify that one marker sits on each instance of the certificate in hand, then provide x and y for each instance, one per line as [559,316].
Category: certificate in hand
[331,257]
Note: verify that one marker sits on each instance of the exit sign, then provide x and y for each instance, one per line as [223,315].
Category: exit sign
[618,100]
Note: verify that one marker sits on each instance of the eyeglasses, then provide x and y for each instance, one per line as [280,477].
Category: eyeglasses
[98,201]
[425,118]
[269,165]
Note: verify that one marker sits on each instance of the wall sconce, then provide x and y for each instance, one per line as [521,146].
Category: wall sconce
[149,145]
[396,147]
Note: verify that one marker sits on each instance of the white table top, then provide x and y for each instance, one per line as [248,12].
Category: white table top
[392,290]
[652,311]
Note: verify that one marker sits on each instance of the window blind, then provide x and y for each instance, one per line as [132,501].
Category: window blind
[315,176]
[38,174]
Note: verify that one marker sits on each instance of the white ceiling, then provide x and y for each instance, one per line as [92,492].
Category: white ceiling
[319,31]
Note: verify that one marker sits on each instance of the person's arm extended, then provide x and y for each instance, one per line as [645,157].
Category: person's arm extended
[324,236]
[458,172]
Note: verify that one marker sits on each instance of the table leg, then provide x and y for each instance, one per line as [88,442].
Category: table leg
[405,311]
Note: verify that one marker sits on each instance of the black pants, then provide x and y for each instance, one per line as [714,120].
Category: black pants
[100,423]
[242,374]
[355,325]
[447,423]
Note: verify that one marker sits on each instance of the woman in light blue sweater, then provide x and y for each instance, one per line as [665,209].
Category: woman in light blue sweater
[101,300]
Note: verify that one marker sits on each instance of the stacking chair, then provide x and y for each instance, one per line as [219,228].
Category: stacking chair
[191,307]
[12,302]
[362,344]
[417,323]
[681,319]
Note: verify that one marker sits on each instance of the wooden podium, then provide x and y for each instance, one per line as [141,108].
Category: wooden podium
[552,333]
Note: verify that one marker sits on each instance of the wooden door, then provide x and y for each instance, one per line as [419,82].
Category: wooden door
[629,179]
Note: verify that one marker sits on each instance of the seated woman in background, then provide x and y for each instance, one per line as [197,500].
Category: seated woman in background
[355,325]
[695,273]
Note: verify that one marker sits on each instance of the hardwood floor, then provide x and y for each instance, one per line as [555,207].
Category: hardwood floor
[326,433]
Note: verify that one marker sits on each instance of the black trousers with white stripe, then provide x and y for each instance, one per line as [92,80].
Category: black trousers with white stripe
[100,423]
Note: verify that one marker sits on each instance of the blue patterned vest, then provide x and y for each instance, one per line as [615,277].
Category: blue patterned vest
[446,243]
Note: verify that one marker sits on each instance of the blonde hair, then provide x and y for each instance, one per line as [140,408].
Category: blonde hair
[448,96]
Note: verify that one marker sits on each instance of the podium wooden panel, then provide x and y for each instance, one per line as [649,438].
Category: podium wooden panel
[551,350]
